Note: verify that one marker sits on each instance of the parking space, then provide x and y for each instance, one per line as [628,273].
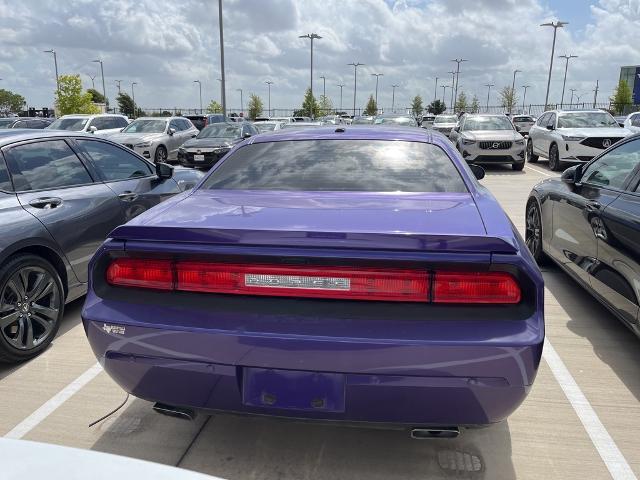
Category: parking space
[557,433]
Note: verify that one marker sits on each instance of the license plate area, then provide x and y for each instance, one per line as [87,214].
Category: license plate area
[198,158]
[293,390]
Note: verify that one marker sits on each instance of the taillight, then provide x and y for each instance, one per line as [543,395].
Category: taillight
[475,287]
[140,272]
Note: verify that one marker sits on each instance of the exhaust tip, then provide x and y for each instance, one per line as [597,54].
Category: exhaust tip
[434,432]
[173,411]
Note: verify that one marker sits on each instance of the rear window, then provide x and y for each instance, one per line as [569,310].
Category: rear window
[338,165]
[522,119]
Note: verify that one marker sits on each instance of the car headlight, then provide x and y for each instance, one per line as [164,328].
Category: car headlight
[519,142]
[222,149]
[572,138]
[143,144]
[466,141]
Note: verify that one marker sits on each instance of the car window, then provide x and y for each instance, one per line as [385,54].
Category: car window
[108,122]
[613,168]
[97,122]
[45,165]
[114,163]
[551,121]
[188,125]
[174,124]
[487,123]
[20,124]
[542,121]
[146,125]
[635,120]
[338,165]
[5,181]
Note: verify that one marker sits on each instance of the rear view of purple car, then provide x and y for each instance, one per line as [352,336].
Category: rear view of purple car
[347,274]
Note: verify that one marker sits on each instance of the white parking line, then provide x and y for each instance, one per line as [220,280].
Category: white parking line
[539,171]
[33,420]
[607,448]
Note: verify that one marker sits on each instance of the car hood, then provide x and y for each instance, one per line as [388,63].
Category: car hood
[595,132]
[480,135]
[209,142]
[135,137]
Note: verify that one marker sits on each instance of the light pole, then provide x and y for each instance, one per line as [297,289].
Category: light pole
[489,85]
[566,67]
[444,95]
[118,82]
[595,94]
[340,85]
[458,61]
[200,88]
[241,102]
[377,75]
[355,83]
[555,26]
[435,91]
[453,85]
[133,98]
[572,92]
[269,83]
[55,63]
[93,84]
[524,96]
[579,97]
[324,92]
[393,98]
[223,96]
[513,91]
[104,90]
[312,37]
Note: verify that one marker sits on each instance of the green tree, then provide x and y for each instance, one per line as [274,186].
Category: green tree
[371,108]
[214,107]
[71,99]
[508,98]
[461,102]
[10,102]
[416,106]
[255,106]
[96,96]
[310,107]
[325,105]
[475,105]
[621,97]
[125,104]
[436,107]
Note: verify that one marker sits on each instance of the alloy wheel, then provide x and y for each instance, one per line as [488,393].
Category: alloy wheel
[30,303]
[161,154]
[533,232]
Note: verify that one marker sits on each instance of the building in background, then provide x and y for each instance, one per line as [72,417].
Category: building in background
[631,75]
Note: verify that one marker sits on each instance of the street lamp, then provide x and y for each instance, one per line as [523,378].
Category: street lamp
[393,98]
[200,88]
[572,92]
[555,26]
[104,90]
[93,84]
[269,83]
[324,85]
[458,61]
[133,98]
[118,82]
[355,83]
[377,75]
[513,91]
[340,85]
[525,96]
[435,91]
[241,102]
[489,85]
[223,96]
[55,63]
[312,37]
[579,97]
[444,94]
[566,67]
[453,84]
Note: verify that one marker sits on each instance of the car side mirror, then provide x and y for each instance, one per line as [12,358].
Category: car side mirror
[172,131]
[246,135]
[456,128]
[477,170]
[164,170]
[93,129]
[549,127]
[572,175]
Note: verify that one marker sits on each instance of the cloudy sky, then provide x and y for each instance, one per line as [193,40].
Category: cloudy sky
[164,45]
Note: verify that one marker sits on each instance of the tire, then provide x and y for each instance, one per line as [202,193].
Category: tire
[533,232]
[531,157]
[554,158]
[518,166]
[161,154]
[27,328]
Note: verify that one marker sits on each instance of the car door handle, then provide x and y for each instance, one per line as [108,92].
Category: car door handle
[46,202]
[128,196]
[594,206]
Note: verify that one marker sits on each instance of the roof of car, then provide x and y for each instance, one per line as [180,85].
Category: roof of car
[87,115]
[18,134]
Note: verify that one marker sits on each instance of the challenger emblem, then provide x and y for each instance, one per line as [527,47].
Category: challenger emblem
[115,329]
[606,143]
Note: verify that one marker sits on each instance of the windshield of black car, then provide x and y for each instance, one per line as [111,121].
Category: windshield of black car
[338,165]
[71,124]
[487,123]
[446,119]
[586,120]
[146,126]
[220,130]
[6,122]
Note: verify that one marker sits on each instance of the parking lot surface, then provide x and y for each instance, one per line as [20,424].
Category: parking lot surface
[580,420]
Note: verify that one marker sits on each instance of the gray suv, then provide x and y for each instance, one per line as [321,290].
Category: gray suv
[61,194]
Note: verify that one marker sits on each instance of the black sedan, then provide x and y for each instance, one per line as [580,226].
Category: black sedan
[25,122]
[213,143]
[588,222]
[60,196]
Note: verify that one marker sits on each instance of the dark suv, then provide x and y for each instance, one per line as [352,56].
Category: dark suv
[60,195]
[201,121]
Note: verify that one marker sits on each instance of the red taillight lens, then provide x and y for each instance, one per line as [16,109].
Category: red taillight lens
[475,287]
[141,272]
[350,283]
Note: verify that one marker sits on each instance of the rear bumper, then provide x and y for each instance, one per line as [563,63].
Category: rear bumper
[478,379]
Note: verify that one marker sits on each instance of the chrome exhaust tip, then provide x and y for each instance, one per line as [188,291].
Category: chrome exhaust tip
[434,433]
[176,412]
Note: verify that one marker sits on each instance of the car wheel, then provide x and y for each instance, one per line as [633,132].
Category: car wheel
[31,307]
[554,158]
[533,231]
[531,157]
[517,166]
[160,155]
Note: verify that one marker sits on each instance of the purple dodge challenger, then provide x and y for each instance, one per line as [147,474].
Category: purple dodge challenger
[355,274]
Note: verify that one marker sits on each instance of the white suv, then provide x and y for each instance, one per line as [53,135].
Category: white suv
[572,135]
[100,124]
